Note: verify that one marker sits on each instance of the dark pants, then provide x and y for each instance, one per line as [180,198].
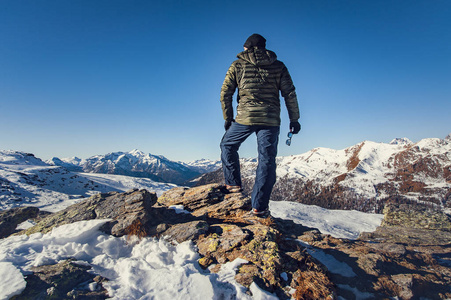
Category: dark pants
[267,140]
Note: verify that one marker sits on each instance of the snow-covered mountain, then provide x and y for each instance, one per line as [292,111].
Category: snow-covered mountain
[72,164]
[204,165]
[138,164]
[27,180]
[363,176]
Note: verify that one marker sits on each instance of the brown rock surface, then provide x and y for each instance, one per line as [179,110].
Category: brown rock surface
[234,233]
[395,260]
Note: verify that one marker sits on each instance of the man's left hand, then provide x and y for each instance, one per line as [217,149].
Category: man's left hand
[295,127]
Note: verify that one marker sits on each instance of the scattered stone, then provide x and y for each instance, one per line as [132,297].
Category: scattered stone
[65,280]
[205,262]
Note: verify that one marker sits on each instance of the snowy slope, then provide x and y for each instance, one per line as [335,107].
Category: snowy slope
[25,179]
[362,176]
[204,165]
[72,164]
[365,165]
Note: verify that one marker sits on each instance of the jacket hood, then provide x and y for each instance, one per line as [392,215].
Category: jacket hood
[258,56]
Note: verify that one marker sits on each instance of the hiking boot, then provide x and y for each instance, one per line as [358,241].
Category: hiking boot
[261,213]
[234,188]
[259,217]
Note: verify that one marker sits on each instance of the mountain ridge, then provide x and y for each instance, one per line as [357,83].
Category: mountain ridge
[27,180]
[363,176]
[136,163]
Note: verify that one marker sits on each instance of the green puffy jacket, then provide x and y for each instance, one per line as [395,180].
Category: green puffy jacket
[259,76]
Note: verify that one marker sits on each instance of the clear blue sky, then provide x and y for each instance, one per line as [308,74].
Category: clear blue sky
[80,78]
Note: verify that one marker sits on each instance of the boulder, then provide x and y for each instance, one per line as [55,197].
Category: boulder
[125,209]
[193,199]
[9,219]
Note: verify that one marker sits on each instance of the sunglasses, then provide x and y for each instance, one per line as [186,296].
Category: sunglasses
[290,135]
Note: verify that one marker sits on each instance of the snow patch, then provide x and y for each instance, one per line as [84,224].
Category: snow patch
[179,209]
[338,223]
[13,282]
[331,263]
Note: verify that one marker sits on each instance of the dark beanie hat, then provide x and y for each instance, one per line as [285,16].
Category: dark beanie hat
[255,40]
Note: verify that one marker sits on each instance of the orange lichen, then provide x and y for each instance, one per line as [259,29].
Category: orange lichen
[312,286]
[136,229]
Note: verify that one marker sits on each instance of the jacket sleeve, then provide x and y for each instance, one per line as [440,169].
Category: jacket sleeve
[227,91]
[289,94]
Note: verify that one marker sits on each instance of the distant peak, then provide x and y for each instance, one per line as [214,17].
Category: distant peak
[137,152]
[448,137]
[401,141]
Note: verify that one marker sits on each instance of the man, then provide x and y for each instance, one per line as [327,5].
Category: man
[258,76]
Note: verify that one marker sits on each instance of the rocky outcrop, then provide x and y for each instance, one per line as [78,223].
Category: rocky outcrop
[413,224]
[220,225]
[405,257]
[275,261]
[124,209]
[380,269]
[416,216]
[285,258]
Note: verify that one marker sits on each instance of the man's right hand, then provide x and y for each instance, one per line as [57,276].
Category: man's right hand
[227,125]
[295,127]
